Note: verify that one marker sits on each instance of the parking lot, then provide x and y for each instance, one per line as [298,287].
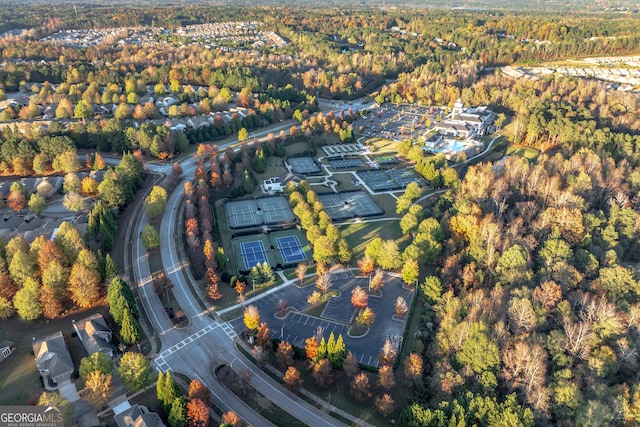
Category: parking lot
[400,122]
[296,327]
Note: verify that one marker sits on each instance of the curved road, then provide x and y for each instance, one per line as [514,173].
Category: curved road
[205,343]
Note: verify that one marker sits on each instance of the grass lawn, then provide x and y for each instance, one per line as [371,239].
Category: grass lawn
[18,375]
[379,145]
[358,235]
[344,181]
[528,153]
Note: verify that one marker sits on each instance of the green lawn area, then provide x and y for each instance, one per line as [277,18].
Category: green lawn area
[380,145]
[361,233]
[528,153]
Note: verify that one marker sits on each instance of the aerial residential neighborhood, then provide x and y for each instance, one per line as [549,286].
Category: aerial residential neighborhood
[371,214]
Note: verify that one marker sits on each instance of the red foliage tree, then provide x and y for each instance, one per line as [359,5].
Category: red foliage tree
[197,413]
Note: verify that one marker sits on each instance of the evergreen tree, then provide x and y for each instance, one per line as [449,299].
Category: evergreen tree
[178,413]
[322,350]
[110,268]
[120,297]
[247,183]
[339,353]
[160,388]
[166,390]
[130,329]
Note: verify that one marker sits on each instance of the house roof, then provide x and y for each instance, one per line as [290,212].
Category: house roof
[5,344]
[295,177]
[52,355]
[136,417]
[94,334]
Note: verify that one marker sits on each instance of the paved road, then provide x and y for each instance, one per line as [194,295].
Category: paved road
[196,348]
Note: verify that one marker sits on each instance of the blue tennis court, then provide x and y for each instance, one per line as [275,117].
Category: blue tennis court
[253,253]
[291,249]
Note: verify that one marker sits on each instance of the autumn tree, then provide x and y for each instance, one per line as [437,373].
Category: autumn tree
[410,272]
[284,353]
[212,287]
[311,348]
[387,353]
[231,419]
[366,317]
[350,365]
[292,379]
[359,298]
[251,317]
[197,390]
[413,367]
[360,388]
[401,307]
[385,404]
[98,388]
[263,337]
[50,301]
[197,413]
[323,283]
[385,377]
[301,271]
[84,285]
[377,280]
[322,373]
[16,201]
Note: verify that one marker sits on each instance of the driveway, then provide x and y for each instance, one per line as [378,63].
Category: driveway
[68,390]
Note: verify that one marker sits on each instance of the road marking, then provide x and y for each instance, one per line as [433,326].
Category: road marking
[185,342]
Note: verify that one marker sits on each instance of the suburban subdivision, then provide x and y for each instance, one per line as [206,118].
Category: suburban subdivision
[358,214]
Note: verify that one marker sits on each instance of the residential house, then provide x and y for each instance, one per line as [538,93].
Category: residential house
[94,334]
[53,359]
[6,348]
[138,416]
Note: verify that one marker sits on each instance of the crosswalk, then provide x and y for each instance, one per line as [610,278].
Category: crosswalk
[160,360]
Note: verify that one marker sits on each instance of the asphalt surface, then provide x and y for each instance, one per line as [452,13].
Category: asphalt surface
[198,348]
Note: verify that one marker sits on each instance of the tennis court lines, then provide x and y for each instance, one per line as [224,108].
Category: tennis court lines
[390,179]
[345,163]
[291,249]
[253,253]
[303,165]
[274,210]
[349,205]
[253,213]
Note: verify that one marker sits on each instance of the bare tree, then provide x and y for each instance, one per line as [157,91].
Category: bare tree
[323,283]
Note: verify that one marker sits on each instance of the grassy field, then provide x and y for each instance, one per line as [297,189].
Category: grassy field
[359,234]
[380,145]
[528,153]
